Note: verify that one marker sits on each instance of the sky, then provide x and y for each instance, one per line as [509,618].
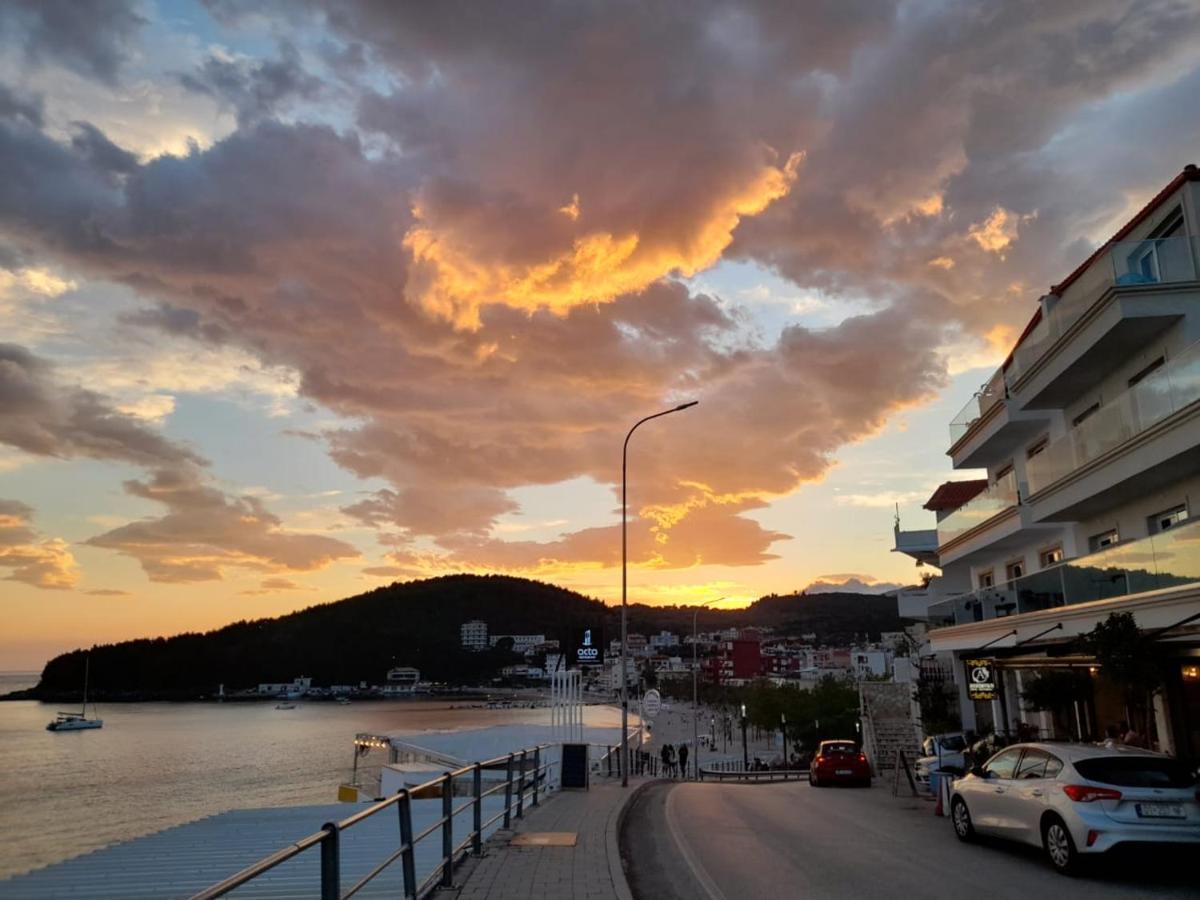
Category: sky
[298,299]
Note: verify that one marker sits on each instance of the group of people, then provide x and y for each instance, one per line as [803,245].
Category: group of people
[1123,733]
[674,763]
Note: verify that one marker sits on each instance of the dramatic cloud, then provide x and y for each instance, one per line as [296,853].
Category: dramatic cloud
[92,37]
[206,532]
[30,558]
[474,255]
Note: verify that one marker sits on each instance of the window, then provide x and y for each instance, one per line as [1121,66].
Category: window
[1136,771]
[1037,448]
[1168,518]
[1079,419]
[986,580]
[1146,371]
[1014,570]
[1003,763]
[1048,558]
[1053,766]
[1103,539]
[1033,765]
[1004,473]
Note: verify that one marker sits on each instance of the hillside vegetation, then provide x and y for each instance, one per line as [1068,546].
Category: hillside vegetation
[417,623]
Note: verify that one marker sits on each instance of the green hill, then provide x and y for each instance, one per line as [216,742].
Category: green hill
[417,623]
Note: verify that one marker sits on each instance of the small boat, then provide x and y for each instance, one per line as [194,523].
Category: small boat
[285,705]
[72,721]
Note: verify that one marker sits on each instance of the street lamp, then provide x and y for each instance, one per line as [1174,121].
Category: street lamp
[745,749]
[695,671]
[624,584]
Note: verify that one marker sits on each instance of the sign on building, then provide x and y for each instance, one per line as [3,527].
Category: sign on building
[651,704]
[981,679]
[589,647]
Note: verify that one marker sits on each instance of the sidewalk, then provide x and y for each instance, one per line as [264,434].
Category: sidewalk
[590,870]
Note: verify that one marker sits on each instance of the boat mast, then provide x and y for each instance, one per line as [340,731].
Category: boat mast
[87,663]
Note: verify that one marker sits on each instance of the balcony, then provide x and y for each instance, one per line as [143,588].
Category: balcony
[999,498]
[1166,560]
[977,407]
[1160,395]
[920,545]
[1132,292]
[991,427]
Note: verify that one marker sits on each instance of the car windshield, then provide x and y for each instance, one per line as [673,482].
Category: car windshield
[1136,771]
[839,748]
[954,742]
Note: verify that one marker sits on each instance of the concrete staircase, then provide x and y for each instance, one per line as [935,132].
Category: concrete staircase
[887,724]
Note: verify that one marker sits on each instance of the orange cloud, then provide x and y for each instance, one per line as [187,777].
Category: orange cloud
[31,559]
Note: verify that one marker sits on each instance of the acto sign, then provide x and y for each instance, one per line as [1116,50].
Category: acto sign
[587,653]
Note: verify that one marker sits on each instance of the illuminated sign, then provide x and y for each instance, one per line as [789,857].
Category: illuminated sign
[981,679]
[590,651]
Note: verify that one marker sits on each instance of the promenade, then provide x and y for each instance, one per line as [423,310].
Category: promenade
[567,847]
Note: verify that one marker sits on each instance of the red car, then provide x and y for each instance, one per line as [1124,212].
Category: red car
[839,762]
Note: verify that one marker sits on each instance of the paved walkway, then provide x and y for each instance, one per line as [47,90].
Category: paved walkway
[590,870]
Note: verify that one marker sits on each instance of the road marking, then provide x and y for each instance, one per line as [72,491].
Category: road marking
[685,850]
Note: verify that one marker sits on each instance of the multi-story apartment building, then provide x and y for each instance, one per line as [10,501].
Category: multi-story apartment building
[1090,436]
[521,643]
[474,635]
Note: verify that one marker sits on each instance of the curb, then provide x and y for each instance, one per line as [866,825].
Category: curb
[612,843]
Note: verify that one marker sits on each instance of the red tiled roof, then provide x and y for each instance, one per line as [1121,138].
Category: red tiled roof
[954,494]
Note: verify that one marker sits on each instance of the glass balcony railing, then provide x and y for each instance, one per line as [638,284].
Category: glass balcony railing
[1126,263]
[978,406]
[1157,396]
[996,499]
[1165,560]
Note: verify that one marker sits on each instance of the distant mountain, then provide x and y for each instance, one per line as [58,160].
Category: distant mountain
[417,623]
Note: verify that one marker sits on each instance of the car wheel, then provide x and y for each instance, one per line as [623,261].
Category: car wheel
[961,817]
[1060,846]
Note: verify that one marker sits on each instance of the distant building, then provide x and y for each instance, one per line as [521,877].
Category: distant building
[736,660]
[474,635]
[521,643]
[664,640]
[297,687]
[404,676]
[870,663]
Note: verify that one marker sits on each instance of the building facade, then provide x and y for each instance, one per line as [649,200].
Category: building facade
[474,635]
[1090,437]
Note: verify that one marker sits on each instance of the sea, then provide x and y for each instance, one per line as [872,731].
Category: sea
[154,765]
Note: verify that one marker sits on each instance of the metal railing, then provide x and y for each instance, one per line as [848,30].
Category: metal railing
[733,771]
[980,404]
[640,762]
[519,782]
[1000,496]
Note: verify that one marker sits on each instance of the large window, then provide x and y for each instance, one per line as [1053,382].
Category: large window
[1168,518]
[1003,764]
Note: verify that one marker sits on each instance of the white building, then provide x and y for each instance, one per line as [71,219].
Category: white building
[297,687]
[474,635]
[1090,437]
[404,676]
[521,643]
[871,662]
[664,640]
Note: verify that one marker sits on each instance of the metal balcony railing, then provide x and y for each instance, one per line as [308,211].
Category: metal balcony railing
[1160,394]
[1165,560]
[520,783]
[1124,264]
[996,499]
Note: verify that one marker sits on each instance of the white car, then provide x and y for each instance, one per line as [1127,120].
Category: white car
[943,751]
[1077,799]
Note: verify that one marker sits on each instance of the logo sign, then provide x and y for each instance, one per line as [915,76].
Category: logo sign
[651,704]
[590,649]
[981,679]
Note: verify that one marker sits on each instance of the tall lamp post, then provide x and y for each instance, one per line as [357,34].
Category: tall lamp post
[695,676]
[783,733]
[624,586]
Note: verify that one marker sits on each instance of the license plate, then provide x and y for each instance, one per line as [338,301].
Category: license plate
[1160,810]
[843,772]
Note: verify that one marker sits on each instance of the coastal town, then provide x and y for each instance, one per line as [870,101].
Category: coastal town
[599,451]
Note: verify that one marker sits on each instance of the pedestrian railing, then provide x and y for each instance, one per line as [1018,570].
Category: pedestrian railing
[727,772]
[520,782]
[640,762]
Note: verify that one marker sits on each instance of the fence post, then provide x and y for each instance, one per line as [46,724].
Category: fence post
[331,878]
[508,793]
[447,831]
[477,843]
[537,771]
[407,863]
[521,788]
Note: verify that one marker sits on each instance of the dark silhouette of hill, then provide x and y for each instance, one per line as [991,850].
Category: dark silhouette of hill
[417,623]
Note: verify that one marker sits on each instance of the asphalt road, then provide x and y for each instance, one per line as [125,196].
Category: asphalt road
[739,842]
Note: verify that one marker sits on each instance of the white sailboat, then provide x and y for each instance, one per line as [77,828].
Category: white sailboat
[69,721]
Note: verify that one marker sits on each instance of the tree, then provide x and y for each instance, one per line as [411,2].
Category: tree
[1056,691]
[1129,661]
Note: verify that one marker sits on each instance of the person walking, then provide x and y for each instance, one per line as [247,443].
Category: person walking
[683,758]
[665,753]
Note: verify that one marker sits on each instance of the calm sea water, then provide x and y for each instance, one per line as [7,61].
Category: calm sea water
[154,765]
